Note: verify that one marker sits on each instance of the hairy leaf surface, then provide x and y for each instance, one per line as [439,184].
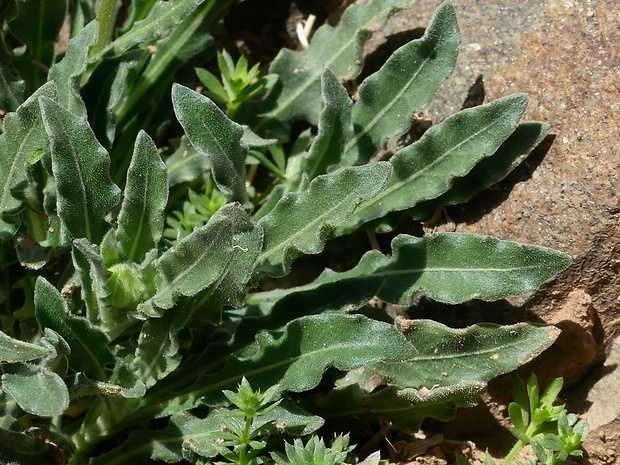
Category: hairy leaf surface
[141,219]
[297,93]
[37,389]
[68,72]
[403,86]
[334,127]
[11,87]
[219,138]
[300,222]
[490,170]
[80,165]
[425,169]
[14,350]
[24,139]
[195,263]
[89,346]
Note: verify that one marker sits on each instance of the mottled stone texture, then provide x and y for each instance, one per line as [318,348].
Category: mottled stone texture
[565,55]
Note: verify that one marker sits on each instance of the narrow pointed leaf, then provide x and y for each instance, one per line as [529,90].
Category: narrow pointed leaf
[216,136]
[300,222]
[297,94]
[490,170]
[11,87]
[425,169]
[141,219]
[68,72]
[80,165]
[23,140]
[37,389]
[162,17]
[14,350]
[403,86]
[89,346]
[194,264]
[334,127]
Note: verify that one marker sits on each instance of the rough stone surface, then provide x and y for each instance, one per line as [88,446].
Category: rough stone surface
[565,54]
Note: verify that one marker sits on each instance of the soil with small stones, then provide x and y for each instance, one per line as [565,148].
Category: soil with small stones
[564,53]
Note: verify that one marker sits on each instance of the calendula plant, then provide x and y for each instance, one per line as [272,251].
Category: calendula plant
[120,343]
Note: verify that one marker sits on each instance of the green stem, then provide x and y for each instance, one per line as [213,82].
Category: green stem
[514,452]
[106,16]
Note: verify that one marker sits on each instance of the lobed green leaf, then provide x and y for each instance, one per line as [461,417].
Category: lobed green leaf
[425,169]
[300,222]
[297,93]
[22,142]
[404,86]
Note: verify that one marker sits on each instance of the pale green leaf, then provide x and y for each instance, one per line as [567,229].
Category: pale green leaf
[194,264]
[23,140]
[300,222]
[247,244]
[216,136]
[13,350]
[425,169]
[89,346]
[334,127]
[141,219]
[68,72]
[297,93]
[37,389]
[403,86]
[86,194]
[92,276]
[490,170]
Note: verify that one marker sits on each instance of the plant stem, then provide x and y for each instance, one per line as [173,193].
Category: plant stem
[514,452]
[107,18]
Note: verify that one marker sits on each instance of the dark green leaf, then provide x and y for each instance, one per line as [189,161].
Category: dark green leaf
[490,170]
[80,164]
[89,346]
[22,142]
[334,127]
[11,87]
[13,350]
[68,72]
[300,222]
[24,448]
[297,94]
[403,86]
[425,169]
